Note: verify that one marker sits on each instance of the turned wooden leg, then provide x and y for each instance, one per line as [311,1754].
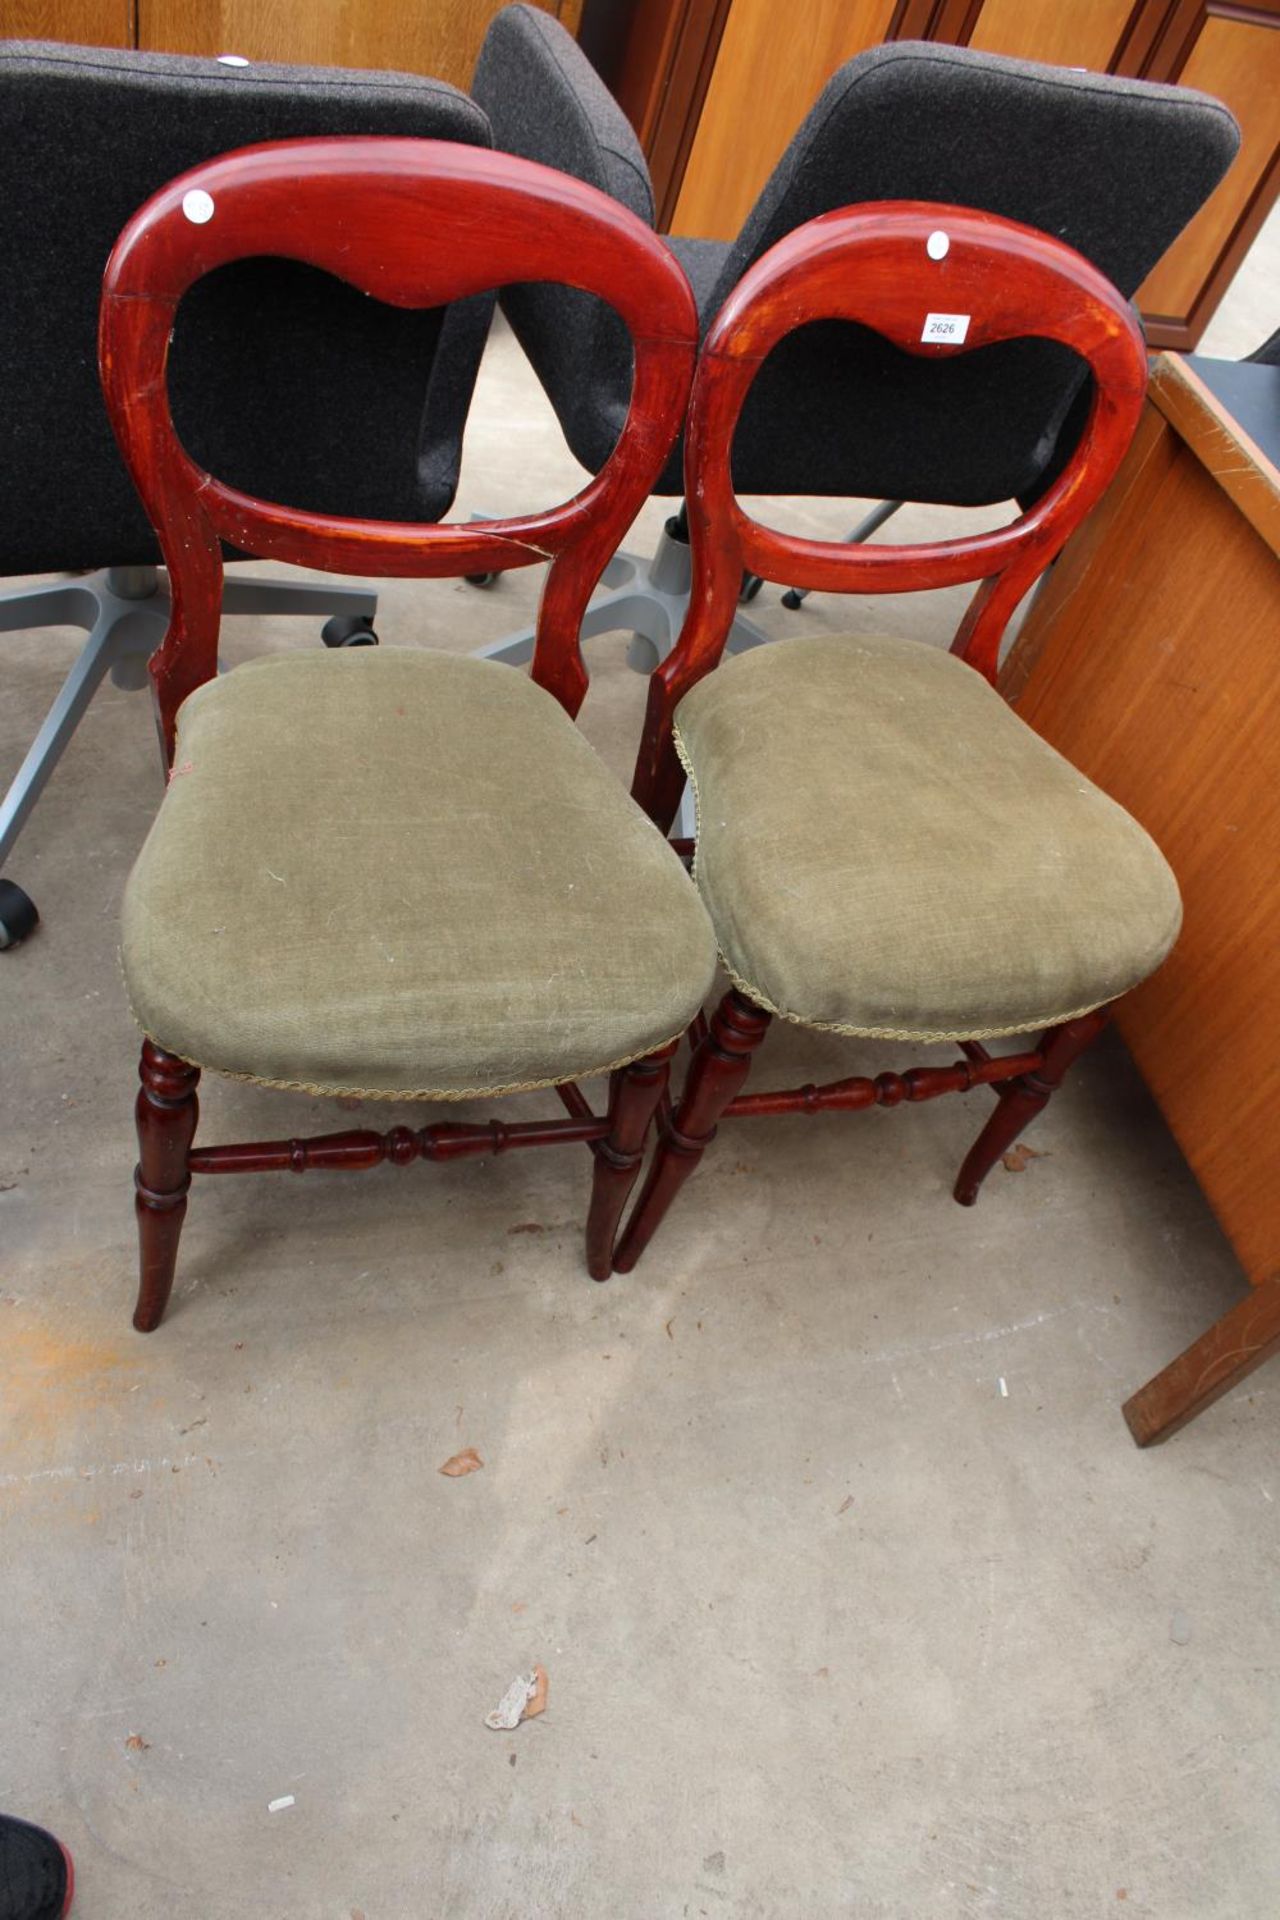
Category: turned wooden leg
[634,1093]
[720,1065]
[1232,1347]
[166,1115]
[1022,1099]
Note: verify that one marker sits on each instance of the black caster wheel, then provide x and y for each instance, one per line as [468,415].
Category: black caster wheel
[349,630]
[479,579]
[18,916]
[791,599]
[751,585]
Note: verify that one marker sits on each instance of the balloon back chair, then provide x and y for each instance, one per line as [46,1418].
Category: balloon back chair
[885,849]
[394,872]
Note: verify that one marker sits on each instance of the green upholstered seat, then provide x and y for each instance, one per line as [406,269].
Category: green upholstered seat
[404,873]
[887,850]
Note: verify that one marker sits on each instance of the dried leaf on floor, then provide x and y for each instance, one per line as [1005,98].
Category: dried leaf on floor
[524,1699]
[1018,1158]
[468,1461]
[538,1698]
[136,1743]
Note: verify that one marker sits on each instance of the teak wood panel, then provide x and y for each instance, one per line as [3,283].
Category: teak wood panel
[88,23]
[772,64]
[1150,661]
[1236,56]
[645,77]
[1084,34]
[437,37]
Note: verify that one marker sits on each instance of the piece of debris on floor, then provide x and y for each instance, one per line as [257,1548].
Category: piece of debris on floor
[136,1743]
[468,1461]
[278,1806]
[1020,1157]
[524,1699]
[845,1505]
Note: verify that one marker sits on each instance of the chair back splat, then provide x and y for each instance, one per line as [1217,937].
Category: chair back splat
[414,223]
[935,282]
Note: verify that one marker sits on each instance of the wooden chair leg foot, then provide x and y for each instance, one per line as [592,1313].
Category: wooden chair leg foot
[1210,1367]
[166,1115]
[720,1065]
[1024,1098]
[634,1094]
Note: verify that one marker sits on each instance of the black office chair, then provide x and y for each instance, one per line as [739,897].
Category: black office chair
[1115,167]
[285,381]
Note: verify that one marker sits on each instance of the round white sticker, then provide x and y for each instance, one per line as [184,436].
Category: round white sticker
[938,245]
[232,60]
[198,206]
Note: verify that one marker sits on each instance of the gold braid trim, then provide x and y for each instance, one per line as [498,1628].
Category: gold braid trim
[387,1093]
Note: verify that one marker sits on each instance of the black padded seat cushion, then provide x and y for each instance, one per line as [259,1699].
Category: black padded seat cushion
[284,381]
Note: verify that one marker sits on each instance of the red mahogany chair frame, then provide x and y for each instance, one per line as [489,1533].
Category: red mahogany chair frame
[879,266]
[415,223]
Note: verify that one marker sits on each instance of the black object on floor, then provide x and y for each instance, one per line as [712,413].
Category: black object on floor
[36,1875]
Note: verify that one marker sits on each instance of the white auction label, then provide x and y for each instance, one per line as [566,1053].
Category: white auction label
[949,328]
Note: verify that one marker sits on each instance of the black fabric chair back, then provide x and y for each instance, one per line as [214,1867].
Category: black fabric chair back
[553,107]
[284,381]
[1114,167]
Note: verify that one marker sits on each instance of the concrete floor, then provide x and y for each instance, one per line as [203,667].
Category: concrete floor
[855,1597]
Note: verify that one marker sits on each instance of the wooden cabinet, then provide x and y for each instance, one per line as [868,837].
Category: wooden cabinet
[438,37]
[1149,658]
[716,89]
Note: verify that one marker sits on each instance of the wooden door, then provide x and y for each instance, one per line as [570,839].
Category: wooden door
[772,63]
[87,23]
[1233,52]
[1085,33]
[437,37]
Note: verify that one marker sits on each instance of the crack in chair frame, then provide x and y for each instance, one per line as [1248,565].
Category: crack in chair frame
[871,264]
[413,223]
